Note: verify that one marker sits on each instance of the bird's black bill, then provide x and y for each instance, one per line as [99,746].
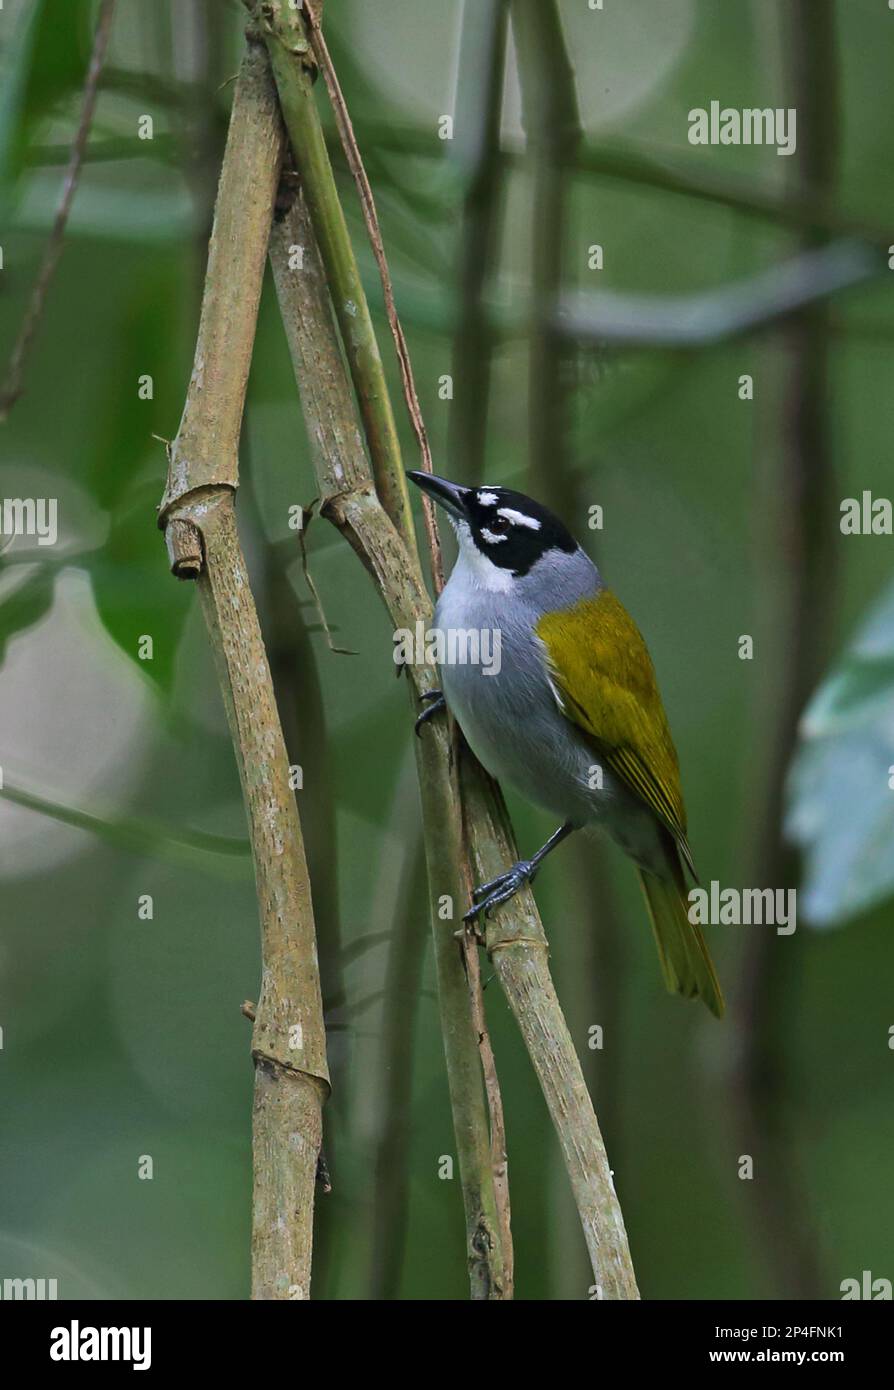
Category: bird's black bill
[449,495]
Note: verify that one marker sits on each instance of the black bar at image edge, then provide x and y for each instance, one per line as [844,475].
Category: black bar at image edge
[66,1338]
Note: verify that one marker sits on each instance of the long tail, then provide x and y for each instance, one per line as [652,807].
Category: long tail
[685,962]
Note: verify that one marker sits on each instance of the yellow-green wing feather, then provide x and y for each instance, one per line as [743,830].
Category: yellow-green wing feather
[605,684]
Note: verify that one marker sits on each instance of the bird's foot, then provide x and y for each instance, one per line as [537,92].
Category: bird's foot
[487,896]
[438,703]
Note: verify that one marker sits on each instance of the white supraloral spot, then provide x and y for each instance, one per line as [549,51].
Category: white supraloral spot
[487,499]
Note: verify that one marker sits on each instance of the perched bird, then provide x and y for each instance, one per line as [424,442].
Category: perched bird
[572,717]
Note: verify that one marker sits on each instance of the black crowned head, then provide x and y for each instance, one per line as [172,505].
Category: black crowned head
[508,528]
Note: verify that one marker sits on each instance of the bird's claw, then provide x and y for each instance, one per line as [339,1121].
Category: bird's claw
[438,703]
[487,896]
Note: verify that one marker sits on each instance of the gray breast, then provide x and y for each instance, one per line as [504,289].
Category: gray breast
[507,710]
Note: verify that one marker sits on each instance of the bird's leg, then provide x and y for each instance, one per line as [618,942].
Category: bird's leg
[487,896]
[438,703]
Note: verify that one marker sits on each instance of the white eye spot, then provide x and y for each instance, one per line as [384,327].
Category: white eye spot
[487,499]
[492,537]
[519,518]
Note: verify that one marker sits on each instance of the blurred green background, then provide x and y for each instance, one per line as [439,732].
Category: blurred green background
[123,1037]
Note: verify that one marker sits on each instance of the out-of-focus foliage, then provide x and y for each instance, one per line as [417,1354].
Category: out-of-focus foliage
[842,801]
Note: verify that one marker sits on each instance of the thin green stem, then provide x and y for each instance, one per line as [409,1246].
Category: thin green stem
[284,31]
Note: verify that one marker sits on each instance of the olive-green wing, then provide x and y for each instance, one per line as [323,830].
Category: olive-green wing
[604,682]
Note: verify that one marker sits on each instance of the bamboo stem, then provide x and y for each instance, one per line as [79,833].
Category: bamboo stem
[371,219]
[285,33]
[198,515]
[351,503]
[519,950]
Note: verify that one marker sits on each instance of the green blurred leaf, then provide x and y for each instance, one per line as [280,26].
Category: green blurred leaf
[841,806]
[132,584]
[17,58]
[45,62]
[63,42]
[134,591]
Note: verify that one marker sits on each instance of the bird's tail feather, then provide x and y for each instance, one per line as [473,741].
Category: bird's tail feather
[685,962]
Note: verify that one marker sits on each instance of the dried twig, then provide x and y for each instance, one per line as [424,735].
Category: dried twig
[13,386]
[314,591]
[499,1157]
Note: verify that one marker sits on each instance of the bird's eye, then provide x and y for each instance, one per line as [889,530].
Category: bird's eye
[498,525]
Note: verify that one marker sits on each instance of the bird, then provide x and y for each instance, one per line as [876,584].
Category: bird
[571,715]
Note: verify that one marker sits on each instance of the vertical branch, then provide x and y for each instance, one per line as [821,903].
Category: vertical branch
[519,950]
[801,591]
[371,219]
[288,1044]
[198,515]
[350,501]
[294,68]
[302,713]
[499,1157]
